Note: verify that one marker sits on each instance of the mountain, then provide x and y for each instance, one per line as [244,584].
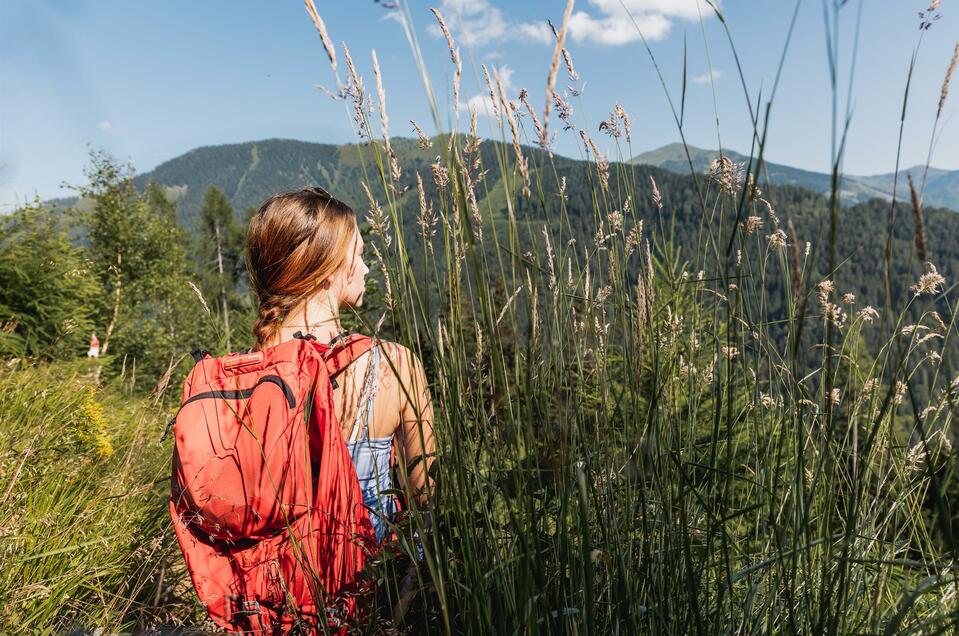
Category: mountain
[942,186]
[251,172]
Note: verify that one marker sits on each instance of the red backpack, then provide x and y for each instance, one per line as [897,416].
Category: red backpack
[265,501]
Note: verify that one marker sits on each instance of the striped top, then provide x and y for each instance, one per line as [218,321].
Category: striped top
[372,455]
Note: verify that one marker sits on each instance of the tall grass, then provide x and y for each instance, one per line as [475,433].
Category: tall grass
[84,530]
[631,438]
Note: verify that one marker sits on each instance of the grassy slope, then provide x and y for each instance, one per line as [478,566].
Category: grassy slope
[85,532]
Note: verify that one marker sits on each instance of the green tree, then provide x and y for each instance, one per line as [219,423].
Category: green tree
[221,254]
[139,253]
[48,290]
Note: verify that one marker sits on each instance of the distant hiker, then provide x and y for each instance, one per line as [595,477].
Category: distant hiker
[94,350]
[276,541]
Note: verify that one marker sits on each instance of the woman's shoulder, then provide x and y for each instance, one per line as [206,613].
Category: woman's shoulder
[402,376]
[397,356]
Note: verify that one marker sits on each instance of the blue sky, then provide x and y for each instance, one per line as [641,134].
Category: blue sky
[149,81]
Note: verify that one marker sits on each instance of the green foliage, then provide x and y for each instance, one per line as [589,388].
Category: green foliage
[220,266]
[49,293]
[148,311]
[85,533]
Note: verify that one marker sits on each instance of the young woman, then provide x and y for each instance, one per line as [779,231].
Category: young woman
[305,258]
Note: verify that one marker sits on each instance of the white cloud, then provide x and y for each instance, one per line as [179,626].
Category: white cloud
[105,126]
[615,23]
[686,9]
[539,32]
[608,22]
[481,102]
[615,30]
[472,22]
[705,78]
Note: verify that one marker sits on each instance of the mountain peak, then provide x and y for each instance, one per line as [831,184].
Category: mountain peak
[942,186]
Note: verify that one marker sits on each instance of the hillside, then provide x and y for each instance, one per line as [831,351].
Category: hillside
[942,186]
[250,172]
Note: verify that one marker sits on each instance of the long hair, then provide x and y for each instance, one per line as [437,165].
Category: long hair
[295,242]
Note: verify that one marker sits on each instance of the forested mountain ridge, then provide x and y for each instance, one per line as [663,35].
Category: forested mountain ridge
[248,173]
[941,189]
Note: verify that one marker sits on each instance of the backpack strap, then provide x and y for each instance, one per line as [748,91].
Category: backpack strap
[344,353]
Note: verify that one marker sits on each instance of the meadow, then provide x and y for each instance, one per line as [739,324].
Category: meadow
[638,430]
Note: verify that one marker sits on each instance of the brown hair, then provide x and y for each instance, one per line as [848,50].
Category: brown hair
[295,242]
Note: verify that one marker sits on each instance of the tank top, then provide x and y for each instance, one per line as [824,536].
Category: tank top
[372,455]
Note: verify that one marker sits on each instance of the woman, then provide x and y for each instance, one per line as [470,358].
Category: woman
[305,258]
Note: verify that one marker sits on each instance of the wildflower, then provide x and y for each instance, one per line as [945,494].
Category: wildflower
[615,221]
[324,37]
[726,174]
[915,457]
[729,352]
[423,139]
[657,197]
[386,277]
[549,259]
[509,302]
[767,401]
[611,126]
[602,163]
[620,112]
[199,294]
[935,316]
[777,240]
[900,392]
[929,282]
[928,337]
[379,222]
[868,313]
[554,67]
[384,121]
[454,51]
[849,299]
[634,238]
[909,329]
[564,110]
[944,91]
[869,386]
[835,396]
[426,219]
[358,96]
[930,15]
[834,314]
[570,71]
[492,96]
[440,174]
[540,131]
[91,425]
[825,288]
[771,211]
[752,224]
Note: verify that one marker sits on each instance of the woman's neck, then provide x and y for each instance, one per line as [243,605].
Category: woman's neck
[318,316]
